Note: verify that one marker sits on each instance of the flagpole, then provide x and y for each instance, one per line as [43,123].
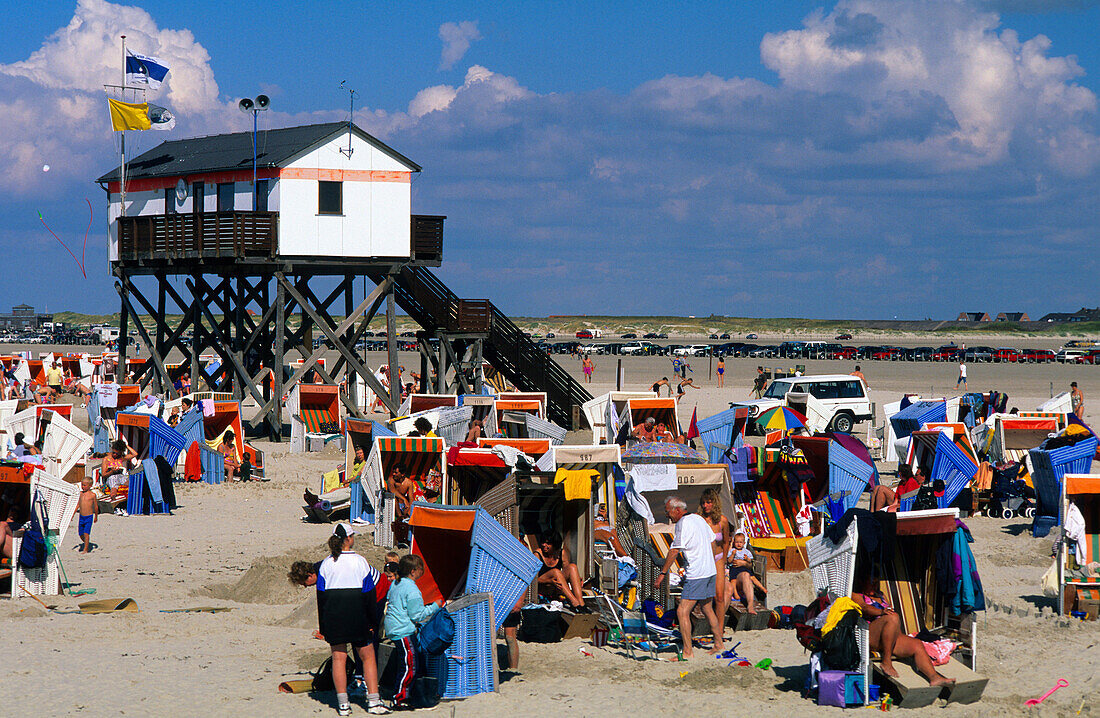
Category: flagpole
[122,165]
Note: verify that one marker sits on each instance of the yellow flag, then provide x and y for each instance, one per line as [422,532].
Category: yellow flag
[129,116]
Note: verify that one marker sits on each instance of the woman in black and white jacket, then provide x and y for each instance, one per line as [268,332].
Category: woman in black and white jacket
[346,610]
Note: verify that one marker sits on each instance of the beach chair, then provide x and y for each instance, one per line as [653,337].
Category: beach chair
[1047,469]
[847,472]
[483,408]
[1013,437]
[314,416]
[415,403]
[466,551]
[941,459]
[539,428]
[916,415]
[1078,592]
[469,666]
[832,569]
[54,501]
[719,433]
[421,455]
[64,445]
[601,458]
[472,474]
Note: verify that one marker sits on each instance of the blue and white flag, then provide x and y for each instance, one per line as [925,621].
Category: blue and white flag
[145,70]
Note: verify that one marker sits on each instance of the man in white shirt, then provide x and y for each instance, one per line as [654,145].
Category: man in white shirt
[695,540]
[962,375]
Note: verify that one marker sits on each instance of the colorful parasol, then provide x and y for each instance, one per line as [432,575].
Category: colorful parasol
[660,452]
[780,418]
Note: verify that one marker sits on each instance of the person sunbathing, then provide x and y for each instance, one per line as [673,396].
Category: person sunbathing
[646,431]
[887,639]
[403,488]
[884,498]
[228,449]
[7,532]
[558,577]
[475,432]
[113,472]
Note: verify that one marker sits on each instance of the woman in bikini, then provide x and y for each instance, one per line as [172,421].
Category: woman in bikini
[558,576]
[889,641]
[710,508]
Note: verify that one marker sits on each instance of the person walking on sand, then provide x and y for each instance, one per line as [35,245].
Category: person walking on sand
[721,370]
[758,383]
[1077,399]
[587,367]
[962,375]
[694,538]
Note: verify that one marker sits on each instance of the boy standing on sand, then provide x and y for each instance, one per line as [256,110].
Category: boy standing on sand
[88,508]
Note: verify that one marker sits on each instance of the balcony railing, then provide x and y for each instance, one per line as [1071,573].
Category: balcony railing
[427,238]
[207,234]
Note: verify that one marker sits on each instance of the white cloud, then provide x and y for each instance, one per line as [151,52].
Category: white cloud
[456,37]
[995,86]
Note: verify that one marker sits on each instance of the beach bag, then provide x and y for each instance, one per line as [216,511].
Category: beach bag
[322,679]
[926,499]
[437,634]
[32,548]
[838,647]
[1050,580]
[839,688]
[807,635]
[540,625]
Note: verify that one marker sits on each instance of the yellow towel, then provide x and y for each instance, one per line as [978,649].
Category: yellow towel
[330,480]
[840,607]
[578,482]
[217,442]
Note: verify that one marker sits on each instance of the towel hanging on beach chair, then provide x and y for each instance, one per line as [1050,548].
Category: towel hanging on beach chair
[578,482]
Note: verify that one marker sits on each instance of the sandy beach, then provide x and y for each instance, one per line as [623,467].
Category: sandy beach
[230,546]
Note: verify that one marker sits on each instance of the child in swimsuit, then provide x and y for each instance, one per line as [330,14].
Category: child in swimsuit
[741,575]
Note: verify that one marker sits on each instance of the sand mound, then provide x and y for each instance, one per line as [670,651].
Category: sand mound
[264,582]
[304,616]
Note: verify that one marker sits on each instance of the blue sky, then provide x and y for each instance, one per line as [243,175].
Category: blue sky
[854,159]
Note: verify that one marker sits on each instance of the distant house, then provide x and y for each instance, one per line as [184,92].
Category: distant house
[1013,317]
[1084,314]
[973,317]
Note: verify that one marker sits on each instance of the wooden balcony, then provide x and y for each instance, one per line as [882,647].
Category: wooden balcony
[470,315]
[427,239]
[209,234]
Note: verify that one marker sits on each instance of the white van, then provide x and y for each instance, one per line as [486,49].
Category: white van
[842,397]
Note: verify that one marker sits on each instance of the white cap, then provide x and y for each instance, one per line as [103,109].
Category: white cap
[348,530]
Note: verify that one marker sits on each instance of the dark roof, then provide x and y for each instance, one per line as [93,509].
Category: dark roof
[219,153]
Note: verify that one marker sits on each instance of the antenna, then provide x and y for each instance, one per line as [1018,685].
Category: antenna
[351,117]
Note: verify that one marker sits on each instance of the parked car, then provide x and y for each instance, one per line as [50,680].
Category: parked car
[946,353]
[662,335]
[845,398]
[628,335]
[592,349]
[846,353]
[1093,357]
[842,336]
[919,354]
[725,335]
[633,349]
[650,335]
[1006,355]
[550,335]
[1038,356]
[979,354]
[583,334]
[752,335]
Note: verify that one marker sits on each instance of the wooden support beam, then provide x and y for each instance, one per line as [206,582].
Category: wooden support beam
[144,335]
[376,297]
[167,388]
[242,373]
[275,413]
[334,336]
[460,379]
[394,369]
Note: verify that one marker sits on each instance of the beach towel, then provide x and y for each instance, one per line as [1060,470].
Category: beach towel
[108,396]
[654,477]
[635,501]
[578,482]
[192,467]
[1075,530]
[207,407]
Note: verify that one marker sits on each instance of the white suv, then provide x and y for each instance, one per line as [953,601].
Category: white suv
[844,398]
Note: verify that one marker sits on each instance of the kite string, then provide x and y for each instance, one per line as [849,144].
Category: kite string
[84,251]
[43,220]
